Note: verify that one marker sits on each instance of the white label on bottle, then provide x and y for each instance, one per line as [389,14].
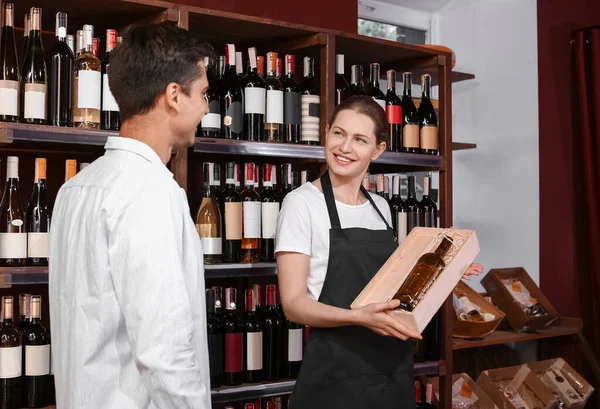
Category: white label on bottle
[211,121]
[310,117]
[10,362]
[274,107]
[37,245]
[254,358]
[255,100]
[252,225]
[270,211]
[108,101]
[402,226]
[35,101]
[212,245]
[381,103]
[13,245]
[295,340]
[88,89]
[9,97]
[37,360]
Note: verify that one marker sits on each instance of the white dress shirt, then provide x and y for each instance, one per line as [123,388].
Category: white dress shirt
[127,302]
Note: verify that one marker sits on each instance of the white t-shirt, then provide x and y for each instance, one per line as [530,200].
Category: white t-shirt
[303,227]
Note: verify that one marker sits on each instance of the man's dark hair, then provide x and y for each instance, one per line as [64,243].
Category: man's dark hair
[150,58]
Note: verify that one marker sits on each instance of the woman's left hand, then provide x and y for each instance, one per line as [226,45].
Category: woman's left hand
[473,270]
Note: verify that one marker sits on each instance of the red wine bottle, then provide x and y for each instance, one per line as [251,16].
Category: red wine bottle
[253,342]
[258,297]
[410,118]
[286,181]
[234,335]
[61,76]
[428,206]
[232,125]
[428,122]
[292,347]
[239,64]
[39,213]
[255,96]
[311,105]
[393,110]
[251,218]
[9,67]
[216,340]
[274,128]
[210,126]
[110,118]
[219,300]
[342,89]
[374,92]
[292,102]
[418,402]
[356,80]
[272,328]
[270,211]
[399,210]
[413,207]
[36,358]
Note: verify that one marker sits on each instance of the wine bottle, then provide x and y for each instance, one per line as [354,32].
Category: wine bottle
[208,221]
[422,276]
[270,211]
[39,213]
[356,80]
[34,76]
[71,44]
[303,177]
[216,340]
[287,181]
[279,68]
[342,89]
[111,118]
[428,122]
[24,311]
[232,211]
[232,99]
[257,289]
[380,184]
[13,231]
[256,179]
[367,181]
[61,76]
[311,104]
[386,189]
[292,347]
[418,398]
[96,47]
[215,185]
[210,125]
[272,328]
[374,92]
[418,350]
[399,210]
[410,118]
[255,96]
[234,349]
[26,29]
[220,73]
[219,299]
[239,66]
[87,80]
[428,206]
[292,102]
[274,128]
[466,310]
[252,218]
[413,207]
[70,169]
[429,396]
[79,43]
[393,110]
[11,358]
[260,67]
[36,358]
[295,180]
[9,67]
[253,342]
[238,177]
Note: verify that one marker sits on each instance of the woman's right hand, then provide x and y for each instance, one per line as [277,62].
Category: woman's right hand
[377,318]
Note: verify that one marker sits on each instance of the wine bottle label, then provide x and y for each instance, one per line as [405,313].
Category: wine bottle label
[254,99]
[35,101]
[233,352]
[429,137]
[108,101]
[254,353]
[9,97]
[430,219]
[295,342]
[215,354]
[252,220]
[293,108]
[413,221]
[270,211]
[274,107]
[211,121]
[394,114]
[10,362]
[37,245]
[381,103]
[88,89]
[410,134]
[402,226]
[310,118]
[233,118]
[13,245]
[210,245]
[37,360]
[233,221]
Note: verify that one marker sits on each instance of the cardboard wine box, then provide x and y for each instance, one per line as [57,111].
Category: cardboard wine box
[518,319]
[465,392]
[384,285]
[472,329]
[522,388]
[561,378]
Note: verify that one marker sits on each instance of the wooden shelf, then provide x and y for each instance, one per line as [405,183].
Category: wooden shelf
[562,327]
[11,132]
[461,146]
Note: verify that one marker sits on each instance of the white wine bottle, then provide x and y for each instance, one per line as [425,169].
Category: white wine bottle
[34,79]
[13,231]
[208,220]
[87,80]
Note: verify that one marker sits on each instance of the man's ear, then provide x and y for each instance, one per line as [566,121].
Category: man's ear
[173,95]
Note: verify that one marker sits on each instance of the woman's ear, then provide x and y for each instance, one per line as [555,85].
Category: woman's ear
[381,147]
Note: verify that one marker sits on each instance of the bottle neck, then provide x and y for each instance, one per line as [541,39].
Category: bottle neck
[426,84]
[374,76]
[339,64]
[391,81]
[411,188]
[426,188]
[407,85]
[444,246]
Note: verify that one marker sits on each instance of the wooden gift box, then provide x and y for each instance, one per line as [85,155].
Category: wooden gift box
[572,381]
[384,285]
[519,379]
[471,329]
[516,317]
[481,399]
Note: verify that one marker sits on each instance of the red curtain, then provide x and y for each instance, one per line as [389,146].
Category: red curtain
[587,142]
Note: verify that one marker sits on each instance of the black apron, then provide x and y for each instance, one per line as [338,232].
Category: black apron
[354,367]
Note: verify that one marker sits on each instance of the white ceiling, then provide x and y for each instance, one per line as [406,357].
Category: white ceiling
[423,5]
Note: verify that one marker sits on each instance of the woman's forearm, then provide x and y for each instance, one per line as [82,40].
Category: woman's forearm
[306,311]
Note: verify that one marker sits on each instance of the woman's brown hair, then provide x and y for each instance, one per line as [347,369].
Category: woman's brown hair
[366,106]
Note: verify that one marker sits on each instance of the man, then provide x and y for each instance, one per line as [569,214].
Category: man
[126,275]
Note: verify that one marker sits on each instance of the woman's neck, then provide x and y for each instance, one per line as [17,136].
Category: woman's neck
[347,189]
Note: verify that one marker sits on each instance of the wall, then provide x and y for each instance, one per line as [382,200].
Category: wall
[496,185]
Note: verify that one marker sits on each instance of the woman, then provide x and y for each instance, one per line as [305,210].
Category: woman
[332,238]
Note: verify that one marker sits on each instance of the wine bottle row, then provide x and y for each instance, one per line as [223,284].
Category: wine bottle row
[72,90]
[26,376]
[24,231]
[239,226]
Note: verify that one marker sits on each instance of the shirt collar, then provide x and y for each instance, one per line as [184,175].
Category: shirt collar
[137,147]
